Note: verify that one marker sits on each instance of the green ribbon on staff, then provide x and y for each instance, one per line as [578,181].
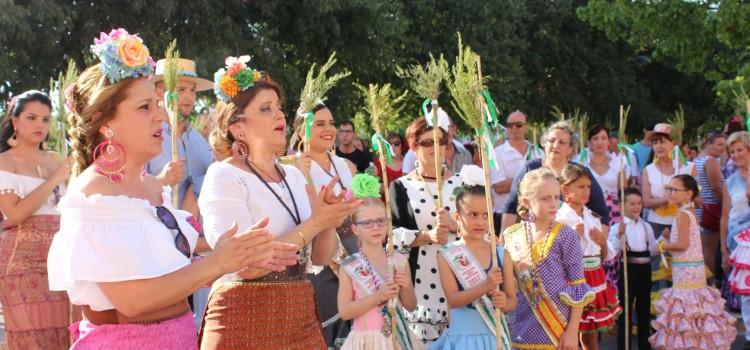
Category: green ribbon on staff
[747,120]
[625,151]
[377,138]
[427,114]
[169,98]
[308,125]
[583,155]
[491,108]
[489,147]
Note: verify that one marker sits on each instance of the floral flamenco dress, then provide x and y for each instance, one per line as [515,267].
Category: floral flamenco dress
[691,313]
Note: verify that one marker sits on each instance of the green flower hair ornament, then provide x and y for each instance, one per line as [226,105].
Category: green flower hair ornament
[365,186]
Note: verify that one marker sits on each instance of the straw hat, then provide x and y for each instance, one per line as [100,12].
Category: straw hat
[186,70]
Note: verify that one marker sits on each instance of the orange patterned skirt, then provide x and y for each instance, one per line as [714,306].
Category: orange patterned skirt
[35,317]
[262,315]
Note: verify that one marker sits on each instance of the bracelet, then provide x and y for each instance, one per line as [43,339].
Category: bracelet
[304,241]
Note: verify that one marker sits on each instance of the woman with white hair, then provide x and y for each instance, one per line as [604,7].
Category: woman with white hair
[559,145]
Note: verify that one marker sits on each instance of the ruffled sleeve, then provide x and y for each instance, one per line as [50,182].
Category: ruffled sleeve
[9,184]
[577,293]
[223,201]
[112,239]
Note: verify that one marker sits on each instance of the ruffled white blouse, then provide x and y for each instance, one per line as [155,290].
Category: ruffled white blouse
[112,239]
[23,185]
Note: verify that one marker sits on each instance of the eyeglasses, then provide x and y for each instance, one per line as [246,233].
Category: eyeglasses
[345,131]
[553,141]
[670,189]
[168,219]
[396,143]
[430,142]
[372,222]
[516,125]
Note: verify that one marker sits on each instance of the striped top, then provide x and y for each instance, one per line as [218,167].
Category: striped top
[709,197]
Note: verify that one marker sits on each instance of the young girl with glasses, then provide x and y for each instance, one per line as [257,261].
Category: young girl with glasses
[469,277]
[691,313]
[365,291]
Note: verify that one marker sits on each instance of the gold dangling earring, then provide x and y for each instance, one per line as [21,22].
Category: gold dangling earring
[13,141]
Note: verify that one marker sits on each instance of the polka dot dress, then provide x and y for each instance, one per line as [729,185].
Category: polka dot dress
[430,318]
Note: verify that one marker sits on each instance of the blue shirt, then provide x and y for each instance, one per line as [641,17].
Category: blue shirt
[642,153]
[196,152]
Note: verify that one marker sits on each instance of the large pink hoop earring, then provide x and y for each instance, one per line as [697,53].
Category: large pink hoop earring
[240,150]
[110,158]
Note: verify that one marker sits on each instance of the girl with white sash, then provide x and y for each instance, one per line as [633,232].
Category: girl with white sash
[364,290]
[470,280]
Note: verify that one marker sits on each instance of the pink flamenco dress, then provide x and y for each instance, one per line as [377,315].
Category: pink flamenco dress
[367,331]
[739,279]
[691,314]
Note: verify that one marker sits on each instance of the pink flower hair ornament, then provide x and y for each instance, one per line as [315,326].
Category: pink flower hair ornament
[122,55]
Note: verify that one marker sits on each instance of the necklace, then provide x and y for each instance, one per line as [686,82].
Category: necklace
[335,170]
[427,188]
[536,294]
[255,168]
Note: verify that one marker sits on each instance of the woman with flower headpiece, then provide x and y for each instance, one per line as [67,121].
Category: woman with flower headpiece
[123,252]
[422,228]
[255,308]
[31,182]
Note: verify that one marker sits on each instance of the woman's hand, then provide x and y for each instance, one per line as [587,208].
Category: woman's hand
[493,280]
[63,171]
[330,210]
[444,220]
[569,339]
[304,163]
[499,299]
[438,235]
[235,251]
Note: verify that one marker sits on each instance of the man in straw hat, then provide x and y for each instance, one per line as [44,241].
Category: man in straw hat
[193,149]
[194,155]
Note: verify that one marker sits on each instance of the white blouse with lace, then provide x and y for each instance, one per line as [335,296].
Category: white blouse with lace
[112,239]
[23,185]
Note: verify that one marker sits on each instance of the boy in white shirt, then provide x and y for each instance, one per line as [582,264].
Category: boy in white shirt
[641,245]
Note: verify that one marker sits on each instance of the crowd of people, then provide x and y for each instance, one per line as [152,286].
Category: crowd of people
[270,249]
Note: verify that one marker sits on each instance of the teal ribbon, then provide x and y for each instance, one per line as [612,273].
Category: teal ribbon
[625,151]
[489,146]
[427,114]
[308,125]
[377,138]
[170,97]
[747,120]
[491,110]
[583,155]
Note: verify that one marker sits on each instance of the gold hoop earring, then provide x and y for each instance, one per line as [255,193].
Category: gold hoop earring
[13,140]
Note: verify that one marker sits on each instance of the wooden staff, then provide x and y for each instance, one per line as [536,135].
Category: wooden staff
[488,200]
[390,272]
[172,57]
[438,157]
[624,153]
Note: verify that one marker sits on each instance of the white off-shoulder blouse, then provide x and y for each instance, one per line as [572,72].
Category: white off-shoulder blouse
[23,185]
[112,239]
